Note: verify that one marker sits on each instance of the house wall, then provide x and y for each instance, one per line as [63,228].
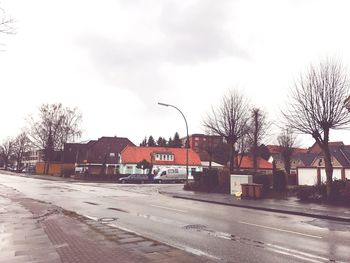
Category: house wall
[320,160]
[131,168]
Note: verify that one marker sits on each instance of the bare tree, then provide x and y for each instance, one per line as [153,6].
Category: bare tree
[287,143]
[229,120]
[242,149]
[21,145]
[6,151]
[55,126]
[6,23]
[316,106]
[258,129]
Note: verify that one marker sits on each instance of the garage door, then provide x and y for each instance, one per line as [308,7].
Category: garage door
[307,176]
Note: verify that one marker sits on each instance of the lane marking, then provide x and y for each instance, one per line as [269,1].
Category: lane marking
[168,208]
[292,252]
[293,255]
[91,218]
[281,230]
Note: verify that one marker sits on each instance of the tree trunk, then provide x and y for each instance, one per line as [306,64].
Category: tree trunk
[327,161]
[46,167]
[232,157]
[255,142]
[329,172]
[287,167]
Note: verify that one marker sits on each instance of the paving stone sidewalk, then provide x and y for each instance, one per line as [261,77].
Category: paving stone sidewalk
[35,232]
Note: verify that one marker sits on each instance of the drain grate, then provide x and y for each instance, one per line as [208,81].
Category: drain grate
[195,227]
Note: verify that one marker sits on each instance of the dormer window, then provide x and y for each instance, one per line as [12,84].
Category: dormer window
[164,157]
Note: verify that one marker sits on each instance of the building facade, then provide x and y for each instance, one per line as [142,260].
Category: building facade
[158,157]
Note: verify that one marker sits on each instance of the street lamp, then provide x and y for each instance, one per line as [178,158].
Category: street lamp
[187,138]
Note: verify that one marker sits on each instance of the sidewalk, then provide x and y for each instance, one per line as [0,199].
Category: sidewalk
[286,206]
[35,232]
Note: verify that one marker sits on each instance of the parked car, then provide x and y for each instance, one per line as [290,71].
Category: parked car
[171,175]
[135,178]
[28,169]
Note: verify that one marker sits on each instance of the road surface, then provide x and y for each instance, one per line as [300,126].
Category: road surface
[223,233]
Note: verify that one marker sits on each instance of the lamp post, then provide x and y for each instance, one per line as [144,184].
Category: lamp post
[187,138]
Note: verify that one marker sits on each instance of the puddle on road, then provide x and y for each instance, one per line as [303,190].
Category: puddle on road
[329,224]
[259,244]
[223,235]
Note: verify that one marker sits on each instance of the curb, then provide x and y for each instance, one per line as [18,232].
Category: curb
[299,213]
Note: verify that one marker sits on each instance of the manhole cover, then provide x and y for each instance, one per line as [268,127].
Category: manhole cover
[107,219]
[195,227]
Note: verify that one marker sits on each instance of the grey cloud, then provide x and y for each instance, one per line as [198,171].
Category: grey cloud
[200,32]
[193,34]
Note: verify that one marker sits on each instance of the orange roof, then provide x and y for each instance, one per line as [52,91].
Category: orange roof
[247,163]
[135,154]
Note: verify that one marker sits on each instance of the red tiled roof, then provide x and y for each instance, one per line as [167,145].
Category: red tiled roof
[247,163]
[135,154]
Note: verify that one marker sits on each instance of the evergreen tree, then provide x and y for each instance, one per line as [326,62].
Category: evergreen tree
[151,142]
[176,141]
[170,142]
[161,142]
[144,142]
[164,142]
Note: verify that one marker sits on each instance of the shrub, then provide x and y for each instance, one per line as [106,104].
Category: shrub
[262,179]
[345,192]
[197,176]
[337,187]
[313,193]
[304,193]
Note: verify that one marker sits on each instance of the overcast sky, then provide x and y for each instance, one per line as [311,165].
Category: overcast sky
[115,60]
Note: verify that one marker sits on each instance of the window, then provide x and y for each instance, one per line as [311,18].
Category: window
[196,138]
[111,154]
[128,169]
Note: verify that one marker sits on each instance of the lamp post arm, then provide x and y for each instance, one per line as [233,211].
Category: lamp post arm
[187,137]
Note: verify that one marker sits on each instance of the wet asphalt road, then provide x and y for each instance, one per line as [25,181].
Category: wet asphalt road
[220,232]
